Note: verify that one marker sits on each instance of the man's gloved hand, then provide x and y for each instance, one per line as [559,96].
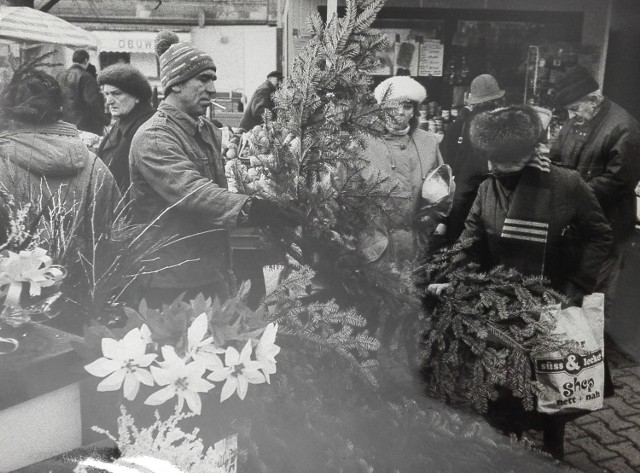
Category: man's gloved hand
[263,213]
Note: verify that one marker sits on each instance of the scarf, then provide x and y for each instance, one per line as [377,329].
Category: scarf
[393,131]
[523,238]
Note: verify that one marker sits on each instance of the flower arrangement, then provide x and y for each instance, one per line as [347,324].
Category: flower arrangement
[186,365]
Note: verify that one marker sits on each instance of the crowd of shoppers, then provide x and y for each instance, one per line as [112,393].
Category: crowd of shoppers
[524,206]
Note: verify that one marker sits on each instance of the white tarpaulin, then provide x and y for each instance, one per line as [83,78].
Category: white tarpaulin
[28,25]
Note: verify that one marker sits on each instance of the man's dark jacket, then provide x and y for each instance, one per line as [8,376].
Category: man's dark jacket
[469,171]
[262,100]
[83,103]
[606,153]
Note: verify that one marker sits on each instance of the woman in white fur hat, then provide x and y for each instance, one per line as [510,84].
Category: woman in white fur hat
[403,156]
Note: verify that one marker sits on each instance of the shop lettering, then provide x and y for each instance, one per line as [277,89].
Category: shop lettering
[593,359]
[572,364]
[566,402]
[137,44]
[576,386]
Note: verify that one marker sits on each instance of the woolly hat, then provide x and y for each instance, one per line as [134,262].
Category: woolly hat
[400,88]
[573,85]
[505,134]
[483,89]
[277,74]
[128,79]
[179,62]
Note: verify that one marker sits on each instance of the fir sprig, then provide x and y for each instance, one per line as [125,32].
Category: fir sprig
[481,333]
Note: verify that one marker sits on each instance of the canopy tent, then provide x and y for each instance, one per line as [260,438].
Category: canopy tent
[28,25]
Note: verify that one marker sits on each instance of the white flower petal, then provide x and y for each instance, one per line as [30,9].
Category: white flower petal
[143,376]
[229,388]
[161,396]
[200,386]
[194,369]
[170,356]
[193,401]
[163,376]
[231,357]
[146,360]
[254,377]
[102,367]
[131,386]
[243,386]
[209,360]
[219,374]
[245,355]
[145,333]
[110,348]
[197,330]
[113,382]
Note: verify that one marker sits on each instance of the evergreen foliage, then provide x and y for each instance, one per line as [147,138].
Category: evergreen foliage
[481,332]
[324,113]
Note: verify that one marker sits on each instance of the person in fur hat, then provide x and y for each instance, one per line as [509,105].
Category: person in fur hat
[128,96]
[520,219]
[404,156]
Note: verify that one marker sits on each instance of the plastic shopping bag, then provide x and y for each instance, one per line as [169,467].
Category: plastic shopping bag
[575,382]
[436,198]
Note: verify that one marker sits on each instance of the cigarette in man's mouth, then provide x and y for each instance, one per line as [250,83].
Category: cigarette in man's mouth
[218,105]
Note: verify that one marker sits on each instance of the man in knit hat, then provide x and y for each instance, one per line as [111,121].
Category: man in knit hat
[178,184]
[261,100]
[602,142]
[469,171]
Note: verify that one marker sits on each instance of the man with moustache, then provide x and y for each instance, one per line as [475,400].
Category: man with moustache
[178,183]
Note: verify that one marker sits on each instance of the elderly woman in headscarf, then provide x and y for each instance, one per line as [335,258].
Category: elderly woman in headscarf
[128,95]
[45,164]
[403,158]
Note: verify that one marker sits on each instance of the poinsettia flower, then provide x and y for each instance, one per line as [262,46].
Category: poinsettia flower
[124,362]
[267,350]
[238,372]
[179,379]
[202,349]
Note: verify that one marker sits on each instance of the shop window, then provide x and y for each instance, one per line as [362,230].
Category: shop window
[108,58]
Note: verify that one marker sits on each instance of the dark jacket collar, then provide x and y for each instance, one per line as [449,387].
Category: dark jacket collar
[141,109]
[186,122]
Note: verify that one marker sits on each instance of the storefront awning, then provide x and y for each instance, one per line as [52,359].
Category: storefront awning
[28,25]
[131,41]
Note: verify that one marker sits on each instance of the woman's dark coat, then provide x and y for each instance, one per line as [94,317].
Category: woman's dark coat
[114,149]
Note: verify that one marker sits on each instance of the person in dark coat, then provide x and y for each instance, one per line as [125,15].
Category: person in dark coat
[522,212]
[128,95]
[520,218]
[45,164]
[178,184]
[262,100]
[468,169]
[83,104]
[602,142]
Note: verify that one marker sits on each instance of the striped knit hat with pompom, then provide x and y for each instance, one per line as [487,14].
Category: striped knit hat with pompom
[179,62]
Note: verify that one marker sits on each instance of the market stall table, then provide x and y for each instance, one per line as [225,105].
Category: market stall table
[39,396]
